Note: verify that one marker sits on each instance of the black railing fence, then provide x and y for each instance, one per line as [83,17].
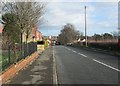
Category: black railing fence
[12,54]
[29,48]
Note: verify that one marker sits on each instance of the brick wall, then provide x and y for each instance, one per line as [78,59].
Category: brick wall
[13,69]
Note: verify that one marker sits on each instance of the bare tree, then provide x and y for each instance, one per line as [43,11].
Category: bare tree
[68,34]
[28,15]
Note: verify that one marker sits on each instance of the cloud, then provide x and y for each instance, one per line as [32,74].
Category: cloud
[62,13]
[80,0]
[60,0]
[101,16]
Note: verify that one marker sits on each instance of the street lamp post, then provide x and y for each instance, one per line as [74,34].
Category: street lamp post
[85,29]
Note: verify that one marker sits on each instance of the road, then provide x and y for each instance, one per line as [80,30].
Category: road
[79,66]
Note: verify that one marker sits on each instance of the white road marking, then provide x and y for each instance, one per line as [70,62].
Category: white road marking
[55,78]
[96,61]
[74,51]
[68,49]
[82,54]
[106,65]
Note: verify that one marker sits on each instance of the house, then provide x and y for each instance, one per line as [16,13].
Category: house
[1,29]
[35,35]
[38,36]
[1,26]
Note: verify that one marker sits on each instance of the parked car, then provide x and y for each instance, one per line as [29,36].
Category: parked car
[57,43]
[69,44]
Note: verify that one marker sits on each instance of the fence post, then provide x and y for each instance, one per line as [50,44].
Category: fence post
[24,50]
[8,54]
[36,46]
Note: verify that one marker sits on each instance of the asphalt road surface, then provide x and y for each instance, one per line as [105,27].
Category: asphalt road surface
[78,66]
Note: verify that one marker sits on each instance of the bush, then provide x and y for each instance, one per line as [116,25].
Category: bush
[45,43]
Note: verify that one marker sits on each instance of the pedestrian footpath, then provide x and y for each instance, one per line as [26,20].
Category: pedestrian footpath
[38,72]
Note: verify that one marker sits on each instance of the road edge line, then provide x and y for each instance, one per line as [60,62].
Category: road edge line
[55,78]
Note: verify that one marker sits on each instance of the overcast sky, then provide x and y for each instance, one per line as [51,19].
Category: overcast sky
[101,16]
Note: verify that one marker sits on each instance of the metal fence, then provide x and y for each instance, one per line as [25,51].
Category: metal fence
[29,48]
[10,56]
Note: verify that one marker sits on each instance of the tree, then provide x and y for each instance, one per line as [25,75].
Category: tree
[115,34]
[97,37]
[68,34]
[29,14]
[10,32]
[107,36]
[11,29]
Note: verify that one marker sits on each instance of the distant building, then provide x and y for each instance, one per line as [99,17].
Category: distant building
[35,35]
[1,29]
[54,38]
[38,36]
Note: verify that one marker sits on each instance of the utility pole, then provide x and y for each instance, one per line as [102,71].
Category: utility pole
[85,29]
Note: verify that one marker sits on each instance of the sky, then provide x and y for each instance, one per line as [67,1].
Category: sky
[102,16]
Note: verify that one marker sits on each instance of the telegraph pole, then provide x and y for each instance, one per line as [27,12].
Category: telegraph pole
[85,29]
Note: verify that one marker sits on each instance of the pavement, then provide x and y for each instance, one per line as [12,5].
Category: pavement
[38,72]
[86,68]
